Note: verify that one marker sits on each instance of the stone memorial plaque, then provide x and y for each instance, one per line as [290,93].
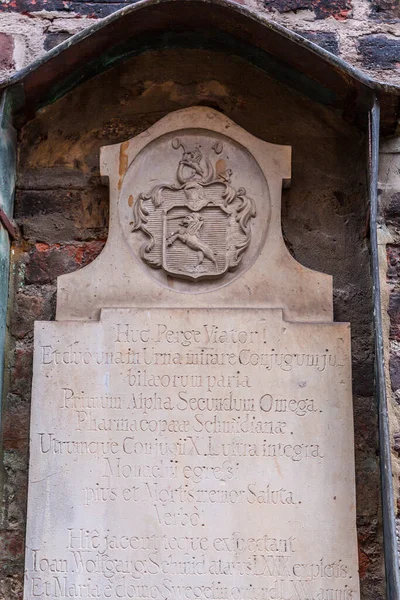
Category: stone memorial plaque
[200,452]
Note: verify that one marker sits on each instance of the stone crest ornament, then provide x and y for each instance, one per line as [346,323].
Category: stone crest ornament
[195,207]
[199,225]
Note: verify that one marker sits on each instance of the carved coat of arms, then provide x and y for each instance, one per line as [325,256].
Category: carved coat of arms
[198,226]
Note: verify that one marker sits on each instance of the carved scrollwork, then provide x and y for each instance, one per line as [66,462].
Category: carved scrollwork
[200,225]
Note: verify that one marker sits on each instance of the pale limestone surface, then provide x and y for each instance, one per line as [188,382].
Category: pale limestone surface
[268,276]
[191,430]
[229,478]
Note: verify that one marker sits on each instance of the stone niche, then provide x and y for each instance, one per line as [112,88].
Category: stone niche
[197,438]
[62,209]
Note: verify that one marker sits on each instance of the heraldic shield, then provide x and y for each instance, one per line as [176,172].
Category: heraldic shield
[195,243]
[199,225]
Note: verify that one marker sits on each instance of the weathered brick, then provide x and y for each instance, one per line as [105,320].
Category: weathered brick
[6,51]
[370,553]
[13,543]
[16,415]
[379,51]
[27,309]
[363,563]
[11,583]
[15,496]
[21,371]
[47,262]
[365,414]
[394,314]
[396,442]
[326,39]
[339,9]
[62,215]
[393,260]
[31,307]
[58,177]
[394,368]
[392,208]
[54,38]
[95,9]
[363,376]
[385,10]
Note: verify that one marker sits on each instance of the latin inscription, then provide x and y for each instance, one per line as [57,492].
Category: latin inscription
[189,455]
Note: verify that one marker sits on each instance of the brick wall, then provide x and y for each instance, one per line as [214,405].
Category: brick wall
[61,211]
[389,195]
[366,33]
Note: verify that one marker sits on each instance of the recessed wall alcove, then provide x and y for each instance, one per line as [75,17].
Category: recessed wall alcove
[61,204]
[61,201]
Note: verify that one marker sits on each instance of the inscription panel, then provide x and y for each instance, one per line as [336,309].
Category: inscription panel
[191,455]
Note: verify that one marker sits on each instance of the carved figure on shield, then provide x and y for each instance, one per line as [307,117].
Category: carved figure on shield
[198,227]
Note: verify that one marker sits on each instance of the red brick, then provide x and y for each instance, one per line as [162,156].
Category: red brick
[13,544]
[339,9]
[46,262]
[364,562]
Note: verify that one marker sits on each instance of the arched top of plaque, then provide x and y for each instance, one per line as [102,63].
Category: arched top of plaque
[195,220]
